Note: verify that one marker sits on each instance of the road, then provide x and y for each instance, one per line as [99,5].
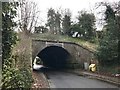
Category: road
[68,80]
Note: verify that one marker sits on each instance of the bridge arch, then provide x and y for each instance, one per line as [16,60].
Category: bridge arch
[54,56]
[78,55]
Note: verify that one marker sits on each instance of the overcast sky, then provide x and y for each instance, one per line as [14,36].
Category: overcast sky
[73,5]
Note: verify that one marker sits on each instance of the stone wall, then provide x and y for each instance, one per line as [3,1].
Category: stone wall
[79,54]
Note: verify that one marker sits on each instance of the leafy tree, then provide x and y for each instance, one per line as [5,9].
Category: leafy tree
[8,35]
[87,24]
[118,28]
[11,76]
[108,49]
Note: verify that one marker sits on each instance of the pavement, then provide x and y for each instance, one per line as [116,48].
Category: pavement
[110,79]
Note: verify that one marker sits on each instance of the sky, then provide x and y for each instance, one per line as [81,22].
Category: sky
[73,5]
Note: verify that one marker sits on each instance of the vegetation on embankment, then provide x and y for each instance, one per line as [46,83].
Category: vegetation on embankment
[58,37]
[23,58]
[20,74]
[22,51]
[15,70]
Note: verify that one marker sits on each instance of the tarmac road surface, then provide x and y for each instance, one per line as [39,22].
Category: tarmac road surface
[67,80]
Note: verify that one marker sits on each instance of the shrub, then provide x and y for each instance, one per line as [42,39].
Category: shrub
[15,78]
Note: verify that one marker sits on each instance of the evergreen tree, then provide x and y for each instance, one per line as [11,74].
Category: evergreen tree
[87,24]
[57,22]
[108,48]
[8,39]
[66,23]
[11,76]
[51,20]
[8,35]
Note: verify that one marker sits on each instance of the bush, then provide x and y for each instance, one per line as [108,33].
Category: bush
[15,78]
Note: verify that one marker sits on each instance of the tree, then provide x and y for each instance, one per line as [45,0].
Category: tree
[8,38]
[51,20]
[8,35]
[12,77]
[108,49]
[57,22]
[66,22]
[87,24]
[118,27]
[29,15]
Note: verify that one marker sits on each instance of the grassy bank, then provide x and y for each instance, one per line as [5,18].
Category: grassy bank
[22,62]
[47,36]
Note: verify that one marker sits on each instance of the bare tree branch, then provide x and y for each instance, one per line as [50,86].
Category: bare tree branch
[29,15]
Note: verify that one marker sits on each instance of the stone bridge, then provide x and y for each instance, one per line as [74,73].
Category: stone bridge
[61,54]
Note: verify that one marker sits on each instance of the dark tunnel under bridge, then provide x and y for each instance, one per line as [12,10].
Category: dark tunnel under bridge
[54,56]
[58,54]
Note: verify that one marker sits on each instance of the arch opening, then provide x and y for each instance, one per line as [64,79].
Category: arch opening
[54,57]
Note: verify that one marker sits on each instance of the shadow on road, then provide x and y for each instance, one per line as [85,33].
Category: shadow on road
[47,71]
